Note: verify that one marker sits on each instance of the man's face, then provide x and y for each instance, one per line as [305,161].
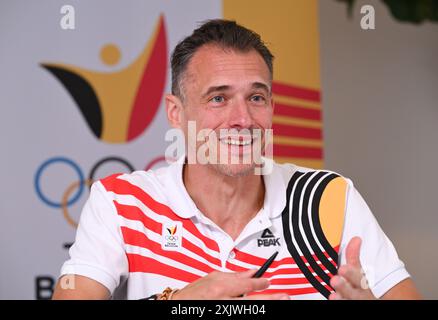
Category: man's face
[227,89]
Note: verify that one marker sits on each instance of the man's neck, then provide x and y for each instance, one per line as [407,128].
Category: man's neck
[230,202]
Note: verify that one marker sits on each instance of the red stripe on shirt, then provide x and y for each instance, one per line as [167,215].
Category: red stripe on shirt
[258,261]
[195,249]
[135,213]
[136,238]
[291,281]
[110,179]
[123,187]
[267,274]
[139,263]
[291,292]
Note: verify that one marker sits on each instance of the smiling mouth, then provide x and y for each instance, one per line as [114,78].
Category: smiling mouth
[237,141]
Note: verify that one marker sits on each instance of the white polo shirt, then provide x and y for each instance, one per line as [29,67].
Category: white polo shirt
[141,232]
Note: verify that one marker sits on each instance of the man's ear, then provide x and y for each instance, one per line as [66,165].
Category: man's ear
[174,109]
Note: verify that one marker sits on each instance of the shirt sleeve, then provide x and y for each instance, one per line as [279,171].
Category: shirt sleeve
[378,257]
[98,251]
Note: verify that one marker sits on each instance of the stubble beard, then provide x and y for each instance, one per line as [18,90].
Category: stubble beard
[234,170]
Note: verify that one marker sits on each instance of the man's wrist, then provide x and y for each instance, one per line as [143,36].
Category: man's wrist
[167,294]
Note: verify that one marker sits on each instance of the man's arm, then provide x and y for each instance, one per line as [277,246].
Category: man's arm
[404,290]
[97,253]
[80,288]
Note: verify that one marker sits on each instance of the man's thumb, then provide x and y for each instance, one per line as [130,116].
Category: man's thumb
[353,251]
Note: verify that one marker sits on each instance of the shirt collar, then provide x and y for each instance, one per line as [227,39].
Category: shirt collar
[275,188]
[183,205]
[179,200]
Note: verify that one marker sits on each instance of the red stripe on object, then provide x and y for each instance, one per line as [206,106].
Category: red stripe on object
[296,131]
[123,187]
[195,249]
[297,112]
[291,292]
[138,263]
[285,271]
[258,261]
[288,281]
[151,87]
[136,238]
[316,258]
[110,179]
[277,263]
[284,89]
[267,274]
[249,258]
[135,213]
[281,150]
[235,267]
[291,281]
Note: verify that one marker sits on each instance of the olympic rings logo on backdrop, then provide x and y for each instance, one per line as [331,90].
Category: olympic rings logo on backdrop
[75,189]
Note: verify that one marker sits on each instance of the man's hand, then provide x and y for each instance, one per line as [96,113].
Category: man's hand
[350,282]
[224,285]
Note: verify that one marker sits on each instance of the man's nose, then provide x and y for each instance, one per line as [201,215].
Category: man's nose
[240,115]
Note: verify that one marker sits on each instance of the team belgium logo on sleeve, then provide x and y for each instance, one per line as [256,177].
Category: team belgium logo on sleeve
[313,220]
[118,106]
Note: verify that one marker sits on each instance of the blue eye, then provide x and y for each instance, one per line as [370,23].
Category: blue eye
[258,98]
[218,99]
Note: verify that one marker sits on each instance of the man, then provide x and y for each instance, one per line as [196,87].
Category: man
[197,230]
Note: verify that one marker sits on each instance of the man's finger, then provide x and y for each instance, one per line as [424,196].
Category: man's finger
[354,275]
[275,296]
[343,287]
[352,252]
[244,286]
[259,284]
[335,296]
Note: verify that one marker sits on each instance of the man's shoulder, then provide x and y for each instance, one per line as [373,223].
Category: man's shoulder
[288,170]
[291,174]
[150,183]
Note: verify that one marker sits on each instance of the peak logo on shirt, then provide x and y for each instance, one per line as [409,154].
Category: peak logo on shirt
[268,239]
[171,236]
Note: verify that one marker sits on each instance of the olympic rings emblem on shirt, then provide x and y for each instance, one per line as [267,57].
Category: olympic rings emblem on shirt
[171,238]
